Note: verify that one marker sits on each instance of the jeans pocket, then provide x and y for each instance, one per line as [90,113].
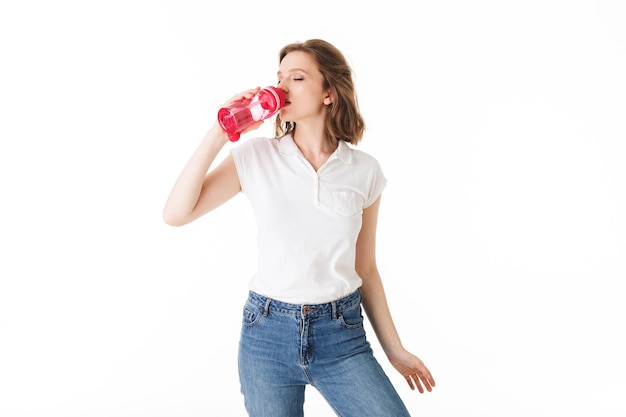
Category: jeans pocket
[251,315]
[352,318]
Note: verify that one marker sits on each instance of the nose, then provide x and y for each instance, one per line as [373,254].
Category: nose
[283,84]
[285,91]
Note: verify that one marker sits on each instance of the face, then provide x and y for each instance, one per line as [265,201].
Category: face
[300,78]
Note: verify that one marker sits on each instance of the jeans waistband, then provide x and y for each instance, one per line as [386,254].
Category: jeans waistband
[333,308]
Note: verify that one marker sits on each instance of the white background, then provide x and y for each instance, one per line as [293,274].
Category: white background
[502,237]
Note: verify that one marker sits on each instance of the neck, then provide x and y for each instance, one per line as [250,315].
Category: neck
[313,141]
[314,146]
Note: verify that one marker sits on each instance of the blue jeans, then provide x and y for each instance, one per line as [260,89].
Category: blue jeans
[284,347]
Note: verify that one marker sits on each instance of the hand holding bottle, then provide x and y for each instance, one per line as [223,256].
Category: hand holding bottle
[250,110]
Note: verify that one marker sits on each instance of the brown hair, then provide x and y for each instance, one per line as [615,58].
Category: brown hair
[343,118]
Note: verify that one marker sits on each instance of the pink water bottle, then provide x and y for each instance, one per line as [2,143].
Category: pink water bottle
[239,116]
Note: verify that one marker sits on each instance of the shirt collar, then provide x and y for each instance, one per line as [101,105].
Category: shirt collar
[287,146]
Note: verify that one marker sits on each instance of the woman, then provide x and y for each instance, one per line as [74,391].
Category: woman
[316,201]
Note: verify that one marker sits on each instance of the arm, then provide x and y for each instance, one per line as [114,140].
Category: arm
[195,192]
[377,309]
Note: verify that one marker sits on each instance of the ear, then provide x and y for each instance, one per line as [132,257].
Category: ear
[328,100]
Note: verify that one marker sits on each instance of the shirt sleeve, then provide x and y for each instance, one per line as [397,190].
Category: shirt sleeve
[377,183]
[242,155]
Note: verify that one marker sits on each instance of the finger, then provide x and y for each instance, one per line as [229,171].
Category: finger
[428,381]
[414,382]
[244,95]
[410,382]
[418,383]
[254,126]
[250,92]
[431,380]
[427,378]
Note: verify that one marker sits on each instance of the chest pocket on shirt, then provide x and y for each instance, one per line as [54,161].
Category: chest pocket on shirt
[347,203]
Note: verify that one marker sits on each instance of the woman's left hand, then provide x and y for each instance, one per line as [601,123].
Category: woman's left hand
[414,371]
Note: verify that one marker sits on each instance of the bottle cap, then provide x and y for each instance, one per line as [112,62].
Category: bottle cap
[273,101]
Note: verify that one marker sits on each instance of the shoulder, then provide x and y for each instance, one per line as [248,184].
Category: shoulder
[361,158]
[254,142]
[365,157]
[253,146]
[367,170]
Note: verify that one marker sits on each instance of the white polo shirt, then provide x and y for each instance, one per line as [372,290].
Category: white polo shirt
[307,221]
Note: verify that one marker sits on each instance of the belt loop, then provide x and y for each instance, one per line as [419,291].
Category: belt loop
[333,306]
[266,309]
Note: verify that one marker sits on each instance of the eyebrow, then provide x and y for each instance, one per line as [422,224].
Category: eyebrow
[293,70]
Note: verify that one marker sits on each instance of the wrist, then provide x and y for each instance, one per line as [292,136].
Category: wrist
[393,351]
[217,134]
